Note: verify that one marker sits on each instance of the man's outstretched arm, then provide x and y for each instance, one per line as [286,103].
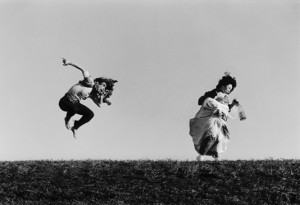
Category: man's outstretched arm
[85,73]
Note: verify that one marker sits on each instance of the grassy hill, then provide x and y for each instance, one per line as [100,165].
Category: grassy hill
[150,182]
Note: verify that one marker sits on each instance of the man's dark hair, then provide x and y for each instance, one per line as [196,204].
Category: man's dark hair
[108,89]
[109,82]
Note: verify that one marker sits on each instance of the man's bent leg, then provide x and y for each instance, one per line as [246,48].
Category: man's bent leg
[68,107]
[86,113]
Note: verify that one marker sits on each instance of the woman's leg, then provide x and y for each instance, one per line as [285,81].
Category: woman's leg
[207,143]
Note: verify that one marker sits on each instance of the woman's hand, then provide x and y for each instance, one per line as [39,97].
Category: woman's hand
[66,62]
[218,113]
[235,102]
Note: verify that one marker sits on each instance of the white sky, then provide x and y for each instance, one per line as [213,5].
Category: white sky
[165,55]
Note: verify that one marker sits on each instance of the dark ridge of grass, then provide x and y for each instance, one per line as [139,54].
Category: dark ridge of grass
[150,182]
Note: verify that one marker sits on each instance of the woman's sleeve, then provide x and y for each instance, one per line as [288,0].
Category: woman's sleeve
[208,94]
[212,104]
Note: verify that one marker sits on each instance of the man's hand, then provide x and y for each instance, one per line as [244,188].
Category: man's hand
[96,99]
[66,62]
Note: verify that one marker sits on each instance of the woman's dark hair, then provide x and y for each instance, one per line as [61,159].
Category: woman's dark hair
[226,80]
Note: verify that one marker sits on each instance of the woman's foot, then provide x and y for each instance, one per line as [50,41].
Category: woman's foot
[217,159]
[200,157]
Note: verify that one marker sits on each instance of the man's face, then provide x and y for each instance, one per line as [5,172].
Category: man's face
[100,87]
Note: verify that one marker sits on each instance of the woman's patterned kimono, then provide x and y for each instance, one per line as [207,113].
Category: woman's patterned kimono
[210,121]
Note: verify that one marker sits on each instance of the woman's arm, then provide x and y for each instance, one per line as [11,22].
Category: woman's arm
[210,94]
[85,73]
[234,102]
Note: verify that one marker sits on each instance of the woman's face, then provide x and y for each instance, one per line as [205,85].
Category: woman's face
[226,89]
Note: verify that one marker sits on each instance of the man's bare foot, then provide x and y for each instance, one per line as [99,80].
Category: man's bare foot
[74,132]
[67,124]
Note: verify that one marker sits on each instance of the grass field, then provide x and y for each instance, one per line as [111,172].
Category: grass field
[150,182]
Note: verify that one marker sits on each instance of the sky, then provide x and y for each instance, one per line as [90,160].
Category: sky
[165,55]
